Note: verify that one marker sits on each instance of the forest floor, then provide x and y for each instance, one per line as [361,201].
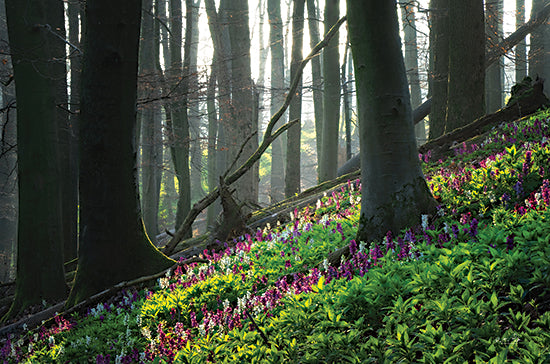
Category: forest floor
[471,284]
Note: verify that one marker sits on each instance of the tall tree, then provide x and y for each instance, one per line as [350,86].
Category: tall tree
[394,192]
[466,85]
[539,51]
[521,49]
[328,163]
[113,244]
[35,44]
[494,79]
[347,69]
[276,41]
[212,135]
[150,123]
[439,55]
[244,128]
[316,73]
[292,172]
[70,230]
[408,18]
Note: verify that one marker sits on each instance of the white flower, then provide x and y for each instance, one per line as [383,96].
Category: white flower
[325,264]
[51,340]
[424,222]
[146,332]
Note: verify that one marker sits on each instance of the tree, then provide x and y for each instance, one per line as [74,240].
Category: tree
[34,43]
[113,244]
[408,18]
[494,80]
[242,100]
[539,51]
[394,192]
[277,95]
[439,73]
[316,74]
[292,172]
[521,49]
[466,85]
[151,143]
[328,163]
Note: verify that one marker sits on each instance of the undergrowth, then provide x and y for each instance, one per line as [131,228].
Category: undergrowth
[469,285]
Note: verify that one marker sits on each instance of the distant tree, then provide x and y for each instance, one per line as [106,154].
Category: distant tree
[35,29]
[292,172]
[439,73]
[328,163]
[113,244]
[276,41]
[394,192]
[521,49]
[494,79]
[466,85]
[408,18]
[316,73]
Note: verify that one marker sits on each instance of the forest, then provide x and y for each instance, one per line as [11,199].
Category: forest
[302,181]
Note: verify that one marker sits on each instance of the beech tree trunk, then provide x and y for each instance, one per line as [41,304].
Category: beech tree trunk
[108,185]
[539,51]
[32,29]
[292,173]
[277,96]
[466,85]
[394,192]
[521,49]
[494,79]
[328,164]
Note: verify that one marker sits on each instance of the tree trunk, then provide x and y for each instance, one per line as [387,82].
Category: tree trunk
[108,185]
[521,49]
[346,97]
[328,164]
[439,50]
[150,124]
[494,79]
[34,43]
[212,136]
[316,74]
[539,52]
[292,173]
[277,96]
[465,96]
[242,100]
[394,192]
[408,15]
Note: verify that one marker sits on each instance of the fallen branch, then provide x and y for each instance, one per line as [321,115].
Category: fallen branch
[269,137]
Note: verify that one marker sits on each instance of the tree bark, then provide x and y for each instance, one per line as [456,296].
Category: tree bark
[108,186]
[292,173]
[466,86]
[277,96]
[394,192]
[539,51]
[520,59]
[494,79]
[439,49]
[328,164]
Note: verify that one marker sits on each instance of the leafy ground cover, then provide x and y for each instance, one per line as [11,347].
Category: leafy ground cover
[471,284]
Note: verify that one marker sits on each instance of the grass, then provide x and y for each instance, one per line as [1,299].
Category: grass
[469,285]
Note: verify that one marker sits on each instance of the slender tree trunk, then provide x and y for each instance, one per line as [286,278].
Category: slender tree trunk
[521,49]
[465,97]
[292,173]
[74,14]
[114,246]
[34,44]
[197,192]
[242,100]
[439,50]
[316,74]
[179,128]
[494,79]
[328,164]
[539,52]
[150,124]
[408,16]
[277,96]
[212,135]
[346,98]
[394,192]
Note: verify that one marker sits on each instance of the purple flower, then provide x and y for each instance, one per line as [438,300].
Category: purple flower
[518,188]
[510,242]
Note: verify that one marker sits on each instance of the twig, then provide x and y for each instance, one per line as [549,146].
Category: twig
[262,334]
